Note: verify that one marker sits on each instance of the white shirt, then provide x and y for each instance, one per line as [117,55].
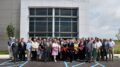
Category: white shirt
[94,45]
[98,44]
[111,44]
[35,44]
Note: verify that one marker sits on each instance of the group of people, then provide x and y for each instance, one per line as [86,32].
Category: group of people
[53,49]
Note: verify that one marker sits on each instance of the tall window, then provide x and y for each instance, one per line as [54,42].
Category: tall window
[40,22]
[66,21]
[41,19]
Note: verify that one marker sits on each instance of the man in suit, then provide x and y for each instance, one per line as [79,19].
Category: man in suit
[15,50]
[22,49]
[89,50]
[71,50]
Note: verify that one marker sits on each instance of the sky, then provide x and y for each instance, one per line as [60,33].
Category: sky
[104,18]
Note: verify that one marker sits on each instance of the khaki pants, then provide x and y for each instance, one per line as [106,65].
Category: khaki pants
[111,53]
[10,52]
[28,55]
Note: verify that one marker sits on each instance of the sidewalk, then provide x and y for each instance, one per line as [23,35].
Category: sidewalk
[7,56]
[4,56]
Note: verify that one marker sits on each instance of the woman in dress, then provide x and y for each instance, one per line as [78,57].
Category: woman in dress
[55,49]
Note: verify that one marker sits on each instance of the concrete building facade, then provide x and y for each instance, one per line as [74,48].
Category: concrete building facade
[44,18]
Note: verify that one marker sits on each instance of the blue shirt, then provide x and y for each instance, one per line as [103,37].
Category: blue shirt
[29,45]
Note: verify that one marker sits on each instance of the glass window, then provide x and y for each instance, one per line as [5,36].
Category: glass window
[57,34]
[74,19]
[66,12]
[41,11]
[57,19]
[41,19]
[75,35]
[32,19]
[31,34]
[49,34]
[49,26]
[57,11]
[65,19]
[65,27]
[74,12]
[49,11]
[41,27]
[32,11]
[56,27]
[65,34]
[31,27]
[40,34]
[74,27]
[50,19]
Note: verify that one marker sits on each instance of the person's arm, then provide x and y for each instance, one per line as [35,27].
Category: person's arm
[113,44]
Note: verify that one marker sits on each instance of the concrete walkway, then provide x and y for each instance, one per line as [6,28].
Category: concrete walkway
[4,56]
[7,56]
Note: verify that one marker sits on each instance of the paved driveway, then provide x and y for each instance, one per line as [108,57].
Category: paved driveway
[9,63]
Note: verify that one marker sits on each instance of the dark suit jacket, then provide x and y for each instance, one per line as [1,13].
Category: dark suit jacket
[22,47]
[71,46]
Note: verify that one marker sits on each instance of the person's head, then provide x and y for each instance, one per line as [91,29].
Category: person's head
[16,40]
[71,41]
[44,40]
[22,39]
[110,39]
[94,41]
[104,40]
[29,40]
[34,39]
[55,40]
[97,39]
[75,41]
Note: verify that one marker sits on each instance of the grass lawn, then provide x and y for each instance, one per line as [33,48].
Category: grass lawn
[3,52]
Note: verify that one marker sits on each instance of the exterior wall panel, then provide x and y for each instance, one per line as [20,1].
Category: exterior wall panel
[9,13]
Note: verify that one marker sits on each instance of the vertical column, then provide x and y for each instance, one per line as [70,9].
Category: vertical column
[53,22]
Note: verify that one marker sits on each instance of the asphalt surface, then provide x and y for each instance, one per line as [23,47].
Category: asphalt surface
[9,63]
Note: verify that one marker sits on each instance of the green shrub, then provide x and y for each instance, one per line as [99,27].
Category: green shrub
[117,47]
[10,30]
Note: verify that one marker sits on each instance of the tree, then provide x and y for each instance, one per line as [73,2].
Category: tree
[118,35]
[10,30]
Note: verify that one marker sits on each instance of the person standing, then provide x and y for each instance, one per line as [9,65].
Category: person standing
[9,47]
[15,50]
[64,48]
[81,53]
[76,47]
[89,50]
[40,50]
[47,50]
[29,48]
[22,49]
[35,46]
[94,51]
[55,49]
[70,50]
[105,48]
[98,44]
[111,49]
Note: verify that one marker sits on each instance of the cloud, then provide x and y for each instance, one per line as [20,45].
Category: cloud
[104,18]
[117,13]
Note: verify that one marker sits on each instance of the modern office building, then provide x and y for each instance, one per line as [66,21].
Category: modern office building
[44,18]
